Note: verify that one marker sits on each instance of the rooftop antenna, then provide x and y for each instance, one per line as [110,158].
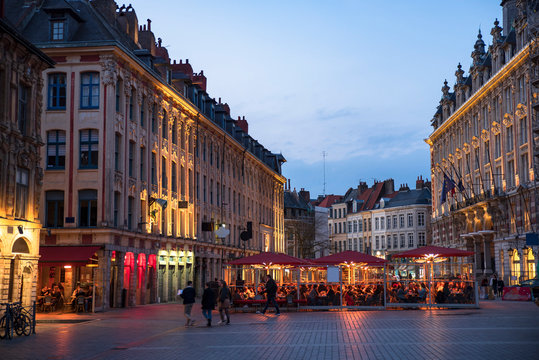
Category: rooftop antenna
[324,155]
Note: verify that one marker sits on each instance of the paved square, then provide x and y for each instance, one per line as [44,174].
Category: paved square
[499,330]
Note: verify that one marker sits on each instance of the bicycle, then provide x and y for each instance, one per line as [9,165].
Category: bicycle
[5,329]
[22,323]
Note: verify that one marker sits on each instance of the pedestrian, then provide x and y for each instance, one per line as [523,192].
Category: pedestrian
[188,295]
[208,302]
[494,284]
[501,284]
[271,292]
[224,302]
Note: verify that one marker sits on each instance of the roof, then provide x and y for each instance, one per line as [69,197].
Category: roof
[293,201]
[349,257]
[269,258]
[330,200]
[371,196]
[410,197]
[434,251]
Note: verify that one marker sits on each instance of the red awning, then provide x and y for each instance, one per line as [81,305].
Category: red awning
[433,250]
[54,255]
[267,258]
[349,257]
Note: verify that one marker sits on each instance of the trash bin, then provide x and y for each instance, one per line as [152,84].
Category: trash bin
[124,297]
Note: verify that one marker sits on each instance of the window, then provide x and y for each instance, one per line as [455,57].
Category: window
[403,241]
[142,111]
[476,155]
[401,221]
[116,209]
[382,223]
[360,225]
[521,90]
[173,222]
[54,209]
[389,241]
[377,242]
[395,242]
[89,92]
[420,219]
[154,121]
[164,126]
[22,112]
[497,146]
[355,225]
[509,140]
[523,176]
[410,220]
[130,204]
[57,92]
[388,223]
[117,146]
[370,224]
[508,100]
[131,159]
[131,104]
[510,176]
[410,240]
[175,131]
[141,164]
[173,177]
[56,149]
[340,228]
[118,95]
[182,181]
[523,130]
[57,30]
[394,221]
[487,152]
[154,169]
[89,141]
[349,226]
[377,224]
[87,208]
[164,180]
[421,239]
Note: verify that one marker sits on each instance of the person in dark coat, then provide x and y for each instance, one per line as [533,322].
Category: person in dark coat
[188,295]
[208,302]
[224,302]
[271,292]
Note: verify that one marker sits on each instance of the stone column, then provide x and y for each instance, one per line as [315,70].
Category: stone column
[119,286]
[132,296]
[103,277]
[487,258]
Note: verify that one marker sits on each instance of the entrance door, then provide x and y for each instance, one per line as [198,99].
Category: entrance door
[171,283]
[161,286]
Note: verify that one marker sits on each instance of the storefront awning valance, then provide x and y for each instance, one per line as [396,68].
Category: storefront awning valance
[433,251]
[66,254]
[350,257]
[269,258]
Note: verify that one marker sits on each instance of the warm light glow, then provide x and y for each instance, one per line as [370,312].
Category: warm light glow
[430,258]
[67,266]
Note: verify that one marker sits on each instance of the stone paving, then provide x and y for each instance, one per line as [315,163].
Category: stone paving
[499,330]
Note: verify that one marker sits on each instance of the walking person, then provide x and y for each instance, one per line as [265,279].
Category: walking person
[224,302]
[494,285]
[208,302]
[188,295]
[271,292]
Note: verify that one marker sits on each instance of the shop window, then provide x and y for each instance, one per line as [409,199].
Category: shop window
[515,268]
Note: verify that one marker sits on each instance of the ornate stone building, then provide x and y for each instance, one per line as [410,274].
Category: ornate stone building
[21,174]
[142,166]
[484,149]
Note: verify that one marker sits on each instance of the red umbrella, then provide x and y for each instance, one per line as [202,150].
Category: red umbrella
[269,258]
[350,257]
[433,251]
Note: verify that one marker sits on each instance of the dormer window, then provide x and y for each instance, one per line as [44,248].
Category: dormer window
[57,29]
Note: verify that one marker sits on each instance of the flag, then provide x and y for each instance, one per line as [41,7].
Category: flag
[449,185]
[460,186]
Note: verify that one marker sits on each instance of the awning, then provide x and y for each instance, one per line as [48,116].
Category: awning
[63,255]
[269,259]
[435,251]
[350,257]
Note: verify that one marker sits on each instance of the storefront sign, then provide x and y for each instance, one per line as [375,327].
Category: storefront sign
[517,293]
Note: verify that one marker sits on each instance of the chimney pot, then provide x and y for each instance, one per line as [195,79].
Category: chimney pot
[219,100]
[149,25]
[187,61]
[244,118]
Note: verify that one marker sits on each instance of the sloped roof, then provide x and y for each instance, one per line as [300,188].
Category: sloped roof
[330,200]
[410,197]
[292,200]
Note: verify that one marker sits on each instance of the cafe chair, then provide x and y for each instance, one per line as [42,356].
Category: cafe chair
[48,304]
[79,304]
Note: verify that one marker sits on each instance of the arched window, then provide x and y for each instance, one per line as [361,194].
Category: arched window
[20,246]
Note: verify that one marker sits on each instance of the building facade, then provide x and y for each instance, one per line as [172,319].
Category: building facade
[142,166]
[21,173]
[484,153]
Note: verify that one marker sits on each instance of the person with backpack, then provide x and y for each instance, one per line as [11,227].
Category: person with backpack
[271,292]
[188,295]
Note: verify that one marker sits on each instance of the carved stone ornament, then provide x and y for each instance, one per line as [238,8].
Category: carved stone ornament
[458,153]
[521,111]
[143,138]
[466,148]
[143,194]
[508,120]
[485,135]
[109,73]
[132,187]
[450,158]
[119,123]
[118,181]
[496,128]
[475,141]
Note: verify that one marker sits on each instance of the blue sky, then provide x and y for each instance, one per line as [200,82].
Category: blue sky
[357,79]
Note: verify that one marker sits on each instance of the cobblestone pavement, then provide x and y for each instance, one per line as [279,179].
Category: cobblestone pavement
[499,330]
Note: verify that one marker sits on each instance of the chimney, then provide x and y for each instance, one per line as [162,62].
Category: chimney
[149,25]
[362,186]
[288,184]
[419,183]
[305,195]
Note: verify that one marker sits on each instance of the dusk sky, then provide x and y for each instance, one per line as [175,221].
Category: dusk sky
[357,79]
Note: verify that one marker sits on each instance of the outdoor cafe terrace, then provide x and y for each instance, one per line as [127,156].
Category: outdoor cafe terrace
[421,278]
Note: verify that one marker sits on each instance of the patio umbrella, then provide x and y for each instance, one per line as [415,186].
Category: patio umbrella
[267,259]
[433,252]
[350,257]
